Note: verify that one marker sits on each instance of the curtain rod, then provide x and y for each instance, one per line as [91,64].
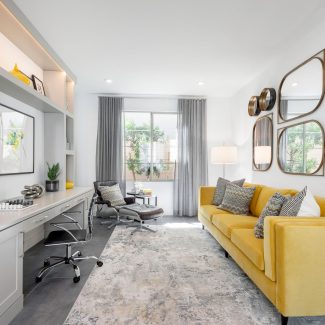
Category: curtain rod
[143,96]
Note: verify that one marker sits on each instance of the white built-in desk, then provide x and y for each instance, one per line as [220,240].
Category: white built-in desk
[15,224]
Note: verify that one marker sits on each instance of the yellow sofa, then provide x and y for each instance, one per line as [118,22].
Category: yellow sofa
[288,265]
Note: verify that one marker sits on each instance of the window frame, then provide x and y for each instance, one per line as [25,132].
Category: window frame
[152,113]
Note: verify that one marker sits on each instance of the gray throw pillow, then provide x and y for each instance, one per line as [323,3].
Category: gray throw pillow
[220,190]
[272,208]
[237,199]
[292,206]
[112,194]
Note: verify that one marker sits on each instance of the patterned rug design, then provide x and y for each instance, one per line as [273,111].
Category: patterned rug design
[176,276]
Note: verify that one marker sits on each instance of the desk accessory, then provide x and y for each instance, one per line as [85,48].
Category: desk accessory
[33,191]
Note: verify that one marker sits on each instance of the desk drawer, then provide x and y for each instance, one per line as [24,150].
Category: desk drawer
[38,220]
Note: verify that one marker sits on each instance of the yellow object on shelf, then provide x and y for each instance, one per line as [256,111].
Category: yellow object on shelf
[20,75]
[147,191]
[69,185]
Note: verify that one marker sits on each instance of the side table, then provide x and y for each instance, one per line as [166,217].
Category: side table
[144,197]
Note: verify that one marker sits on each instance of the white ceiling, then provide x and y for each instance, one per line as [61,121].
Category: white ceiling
[168,46]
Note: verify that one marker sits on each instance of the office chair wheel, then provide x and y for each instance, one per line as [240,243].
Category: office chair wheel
[76,279]
[79,254]
[47,263]
[99,263]
[38,279]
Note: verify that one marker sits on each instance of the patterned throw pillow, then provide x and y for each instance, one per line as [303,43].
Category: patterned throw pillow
[237,199]
[292,206]
[220,190]
[272,208]
[112,194]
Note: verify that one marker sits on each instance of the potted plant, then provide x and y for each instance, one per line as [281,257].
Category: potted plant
[53,172]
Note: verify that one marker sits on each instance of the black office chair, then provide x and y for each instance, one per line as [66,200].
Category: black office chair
[67,238]
[110,211]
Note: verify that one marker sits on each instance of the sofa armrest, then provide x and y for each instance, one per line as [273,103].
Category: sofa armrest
[206,195]
[300,267]
[270,239]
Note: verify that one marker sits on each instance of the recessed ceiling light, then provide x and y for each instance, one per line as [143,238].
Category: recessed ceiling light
[200,83]
[294,84]
[109,81]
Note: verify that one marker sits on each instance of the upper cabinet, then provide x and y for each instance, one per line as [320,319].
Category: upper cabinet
[22,45]
[302,89]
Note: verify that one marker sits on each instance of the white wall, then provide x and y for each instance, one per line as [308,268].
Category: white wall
[12,185]
[243,124]
[219,132]
[86,114]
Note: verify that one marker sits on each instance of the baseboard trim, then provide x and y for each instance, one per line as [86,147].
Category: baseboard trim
[12,311]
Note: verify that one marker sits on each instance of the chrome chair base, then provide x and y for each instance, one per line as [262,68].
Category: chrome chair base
[117,222]
[70,259]
[140,226]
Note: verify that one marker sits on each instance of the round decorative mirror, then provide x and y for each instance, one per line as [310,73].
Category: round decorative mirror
[301,149]
[263,143]
[253,106]
[302,90]
[267,99]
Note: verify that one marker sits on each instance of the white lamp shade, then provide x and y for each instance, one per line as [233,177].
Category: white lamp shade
[262,154]
[224,155]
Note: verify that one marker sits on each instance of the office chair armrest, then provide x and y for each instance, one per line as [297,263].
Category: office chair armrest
[101,201]
[66,230]
[129,199]
[70,218]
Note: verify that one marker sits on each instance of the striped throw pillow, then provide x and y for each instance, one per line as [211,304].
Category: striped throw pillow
[112,194]
[220,190]
[237,199]
[292,206]
[272,208]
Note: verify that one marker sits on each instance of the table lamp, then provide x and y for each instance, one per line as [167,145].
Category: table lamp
[224,155]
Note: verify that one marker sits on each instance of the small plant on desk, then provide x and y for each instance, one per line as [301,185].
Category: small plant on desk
[53,172]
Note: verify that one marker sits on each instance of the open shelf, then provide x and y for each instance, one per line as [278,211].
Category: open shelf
[69,114]
[18,90]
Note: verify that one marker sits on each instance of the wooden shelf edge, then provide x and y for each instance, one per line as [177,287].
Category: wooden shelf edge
[24,93]
[69,114]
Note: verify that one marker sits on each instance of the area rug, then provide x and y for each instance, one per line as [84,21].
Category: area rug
[176,276]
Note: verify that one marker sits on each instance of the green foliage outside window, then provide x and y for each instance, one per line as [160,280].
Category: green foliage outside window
[138,138]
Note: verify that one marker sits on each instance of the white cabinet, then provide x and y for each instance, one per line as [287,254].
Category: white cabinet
[11,273]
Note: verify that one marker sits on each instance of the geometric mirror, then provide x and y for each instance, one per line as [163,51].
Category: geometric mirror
[302,89]
[263,143]
[301,149]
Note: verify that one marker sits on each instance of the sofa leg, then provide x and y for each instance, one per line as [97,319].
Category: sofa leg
[202,227]
[284,320]
[226,254]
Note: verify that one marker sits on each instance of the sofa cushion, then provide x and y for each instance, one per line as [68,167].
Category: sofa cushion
[207,211]
[266,194]
[227,222]
[252,206]
[251,246]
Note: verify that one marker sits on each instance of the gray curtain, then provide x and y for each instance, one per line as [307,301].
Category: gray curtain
[109,151]
[192,162]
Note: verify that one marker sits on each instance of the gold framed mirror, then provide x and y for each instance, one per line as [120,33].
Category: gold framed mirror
[301,90]
[301,149]
[267,99]
[262,149]
[253,106]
